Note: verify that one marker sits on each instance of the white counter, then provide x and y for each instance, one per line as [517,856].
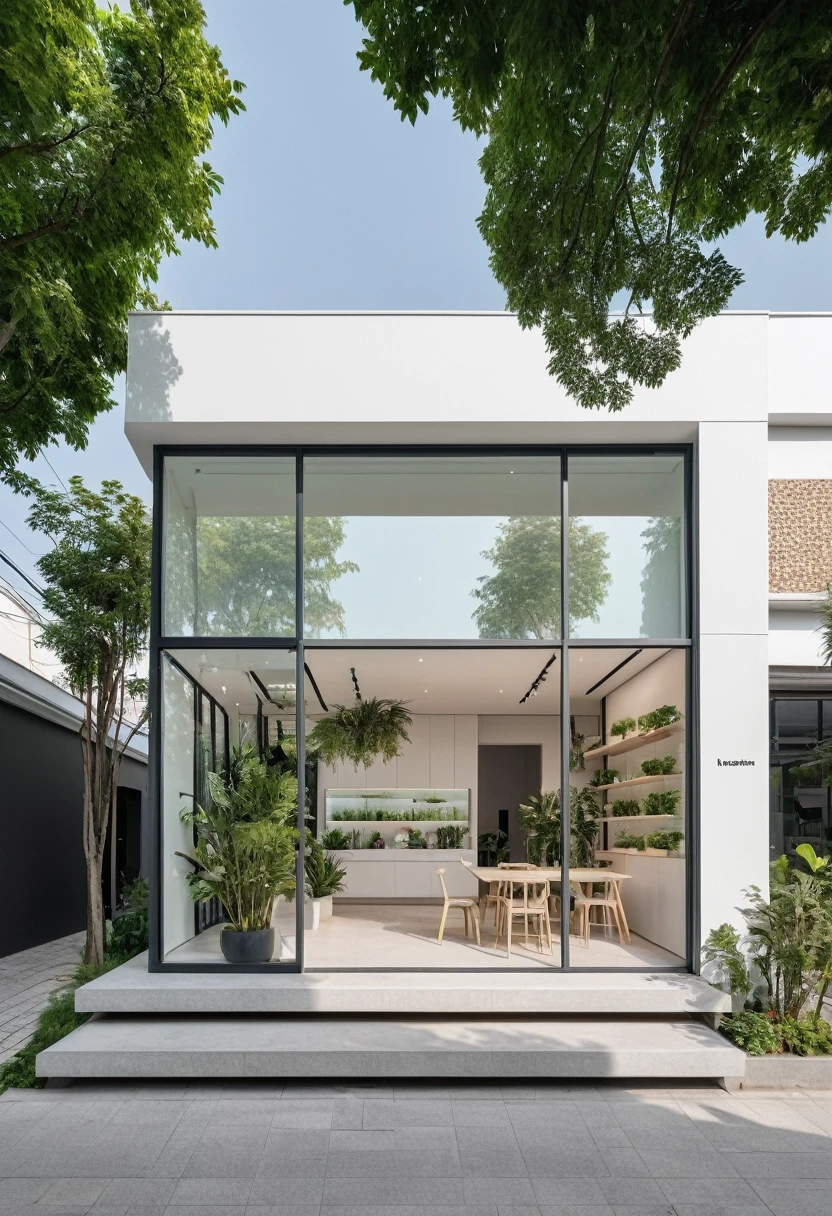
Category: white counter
[406,873]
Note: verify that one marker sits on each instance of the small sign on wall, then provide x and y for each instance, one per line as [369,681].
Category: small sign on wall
[735,763]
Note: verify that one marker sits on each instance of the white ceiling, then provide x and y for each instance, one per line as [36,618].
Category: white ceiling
[473,681]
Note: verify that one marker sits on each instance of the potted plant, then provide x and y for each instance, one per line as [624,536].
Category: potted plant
[335,838]
[664,715]
[244,851]
[325,877]
[623,727]
[658,767]
[361,732]
[605,776]
[540,820]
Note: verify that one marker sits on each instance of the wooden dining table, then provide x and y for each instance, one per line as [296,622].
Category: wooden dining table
[586,877]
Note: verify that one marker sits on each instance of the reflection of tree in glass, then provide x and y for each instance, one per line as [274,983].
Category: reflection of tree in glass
[521,599]
[247,575]
[661,578]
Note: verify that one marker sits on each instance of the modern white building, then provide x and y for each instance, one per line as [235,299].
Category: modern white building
[376,502]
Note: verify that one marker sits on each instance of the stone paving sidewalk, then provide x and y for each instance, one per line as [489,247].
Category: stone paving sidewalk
[26,980]
[414,1150]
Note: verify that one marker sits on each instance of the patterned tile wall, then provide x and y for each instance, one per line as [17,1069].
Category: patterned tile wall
[799,535]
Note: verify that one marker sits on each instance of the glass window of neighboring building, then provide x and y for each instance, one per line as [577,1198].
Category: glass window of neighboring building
[432,547]
[229,547]
[626,546]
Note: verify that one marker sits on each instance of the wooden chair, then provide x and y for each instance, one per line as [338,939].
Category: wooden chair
[531,901]
[608,903]
[468,904]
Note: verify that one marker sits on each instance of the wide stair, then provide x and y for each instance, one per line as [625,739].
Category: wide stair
[394,1025]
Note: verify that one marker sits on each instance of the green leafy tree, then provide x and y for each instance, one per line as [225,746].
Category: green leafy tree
[622,139]
[97,595]
[660,583]
[245,571]
[521,599]
[826,626]
[106,115]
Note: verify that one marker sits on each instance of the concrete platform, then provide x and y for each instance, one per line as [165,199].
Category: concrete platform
[130,989]
[153,1047]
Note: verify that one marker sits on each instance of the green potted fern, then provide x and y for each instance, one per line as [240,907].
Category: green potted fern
[325,876]
[361,732]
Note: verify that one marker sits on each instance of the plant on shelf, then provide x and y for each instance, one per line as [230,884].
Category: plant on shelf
[622,727]
[356,838]
[451,837]
[437,801]
[623,807]
[335,839]
[576,751]
[540,820]
[244,851]
[361,732]
[605,776]
[492,848]
[376,841]
[664,715]
[661,802]
[661,766]
[626,840]
[665,840]
[324,874]
[783,965]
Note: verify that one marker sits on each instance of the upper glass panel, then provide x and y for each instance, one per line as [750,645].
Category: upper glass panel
[229,547]
[432,547]
[626,547]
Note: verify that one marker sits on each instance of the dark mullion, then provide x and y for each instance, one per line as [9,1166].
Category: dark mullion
[300,723]
[154,784]
[565,707]
[692,738]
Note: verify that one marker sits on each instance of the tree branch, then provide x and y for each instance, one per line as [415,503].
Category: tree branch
[43,145]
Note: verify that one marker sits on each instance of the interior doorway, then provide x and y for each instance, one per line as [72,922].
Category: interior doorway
[508,774]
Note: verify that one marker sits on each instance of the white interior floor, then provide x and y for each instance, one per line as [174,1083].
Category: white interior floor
[404,935]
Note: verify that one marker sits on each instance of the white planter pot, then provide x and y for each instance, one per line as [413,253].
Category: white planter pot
[316,910]
[326,907]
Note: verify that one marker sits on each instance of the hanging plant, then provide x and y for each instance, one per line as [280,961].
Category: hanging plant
[361,732]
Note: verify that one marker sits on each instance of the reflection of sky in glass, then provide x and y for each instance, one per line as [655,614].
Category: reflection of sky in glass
[417,574]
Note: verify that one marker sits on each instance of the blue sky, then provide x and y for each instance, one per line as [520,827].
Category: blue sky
[331,202]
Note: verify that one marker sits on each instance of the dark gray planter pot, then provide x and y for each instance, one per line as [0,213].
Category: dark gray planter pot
[256,946]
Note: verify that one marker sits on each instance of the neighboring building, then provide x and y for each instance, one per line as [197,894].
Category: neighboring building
[42,868]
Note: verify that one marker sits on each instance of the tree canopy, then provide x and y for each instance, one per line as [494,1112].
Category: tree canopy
[106,115]
[521,599]
[624,137]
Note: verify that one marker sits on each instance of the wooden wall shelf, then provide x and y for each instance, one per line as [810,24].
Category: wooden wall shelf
[622,785]
[633,742]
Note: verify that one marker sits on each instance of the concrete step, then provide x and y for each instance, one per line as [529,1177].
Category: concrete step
[131,989]
[178,1047]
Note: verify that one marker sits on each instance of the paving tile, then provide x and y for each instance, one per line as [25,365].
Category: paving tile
[73,1192]
[410,1210]
[707,1190]
[347,1114]
[515,1191]
[413,1113]
[575,1209]
[487,1139]
[360,1164]
[558,1163]
[274,1192]
[632,1191]
[147,1192]
[493,1164]
[211,1190]
[481,1114]
[394,1192]
[284,1209]
[722,1209]
[237,1163]
[22,1190]
[203,1210]
[314,1112]
[754,1166]
[278,1165]
[569,1190]
[241,1112]
[690,1163]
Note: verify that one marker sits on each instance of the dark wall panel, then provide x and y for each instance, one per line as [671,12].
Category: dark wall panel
[42,872]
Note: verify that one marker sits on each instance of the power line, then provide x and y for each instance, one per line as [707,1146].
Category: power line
[60,479]
[19,541]
[18,571]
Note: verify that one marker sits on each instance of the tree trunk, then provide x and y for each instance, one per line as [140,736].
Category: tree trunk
[94,949]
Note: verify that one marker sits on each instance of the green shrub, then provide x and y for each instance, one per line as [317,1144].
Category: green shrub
[451,837]
[623,726]
[659,766]
[604,776]
[335,838]
[665,840]
[665,715]
[805,1037]
[626,840]
[755,1033]
[324,874]
[129,931]
[624,806]
[661,802]
[722,952]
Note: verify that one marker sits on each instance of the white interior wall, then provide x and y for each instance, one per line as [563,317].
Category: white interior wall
[177,780]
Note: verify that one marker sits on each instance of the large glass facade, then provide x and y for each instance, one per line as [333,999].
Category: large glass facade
[434,578]
[431,547]
[800,791]
[626,546]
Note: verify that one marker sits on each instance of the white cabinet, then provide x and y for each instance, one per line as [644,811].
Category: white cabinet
[407,873]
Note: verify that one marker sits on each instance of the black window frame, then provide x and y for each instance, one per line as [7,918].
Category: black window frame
[161,644]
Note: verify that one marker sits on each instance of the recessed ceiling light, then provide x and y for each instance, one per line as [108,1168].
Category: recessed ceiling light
[421,660]
[224,688]
[501,690]
[237,703]
[425,690]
